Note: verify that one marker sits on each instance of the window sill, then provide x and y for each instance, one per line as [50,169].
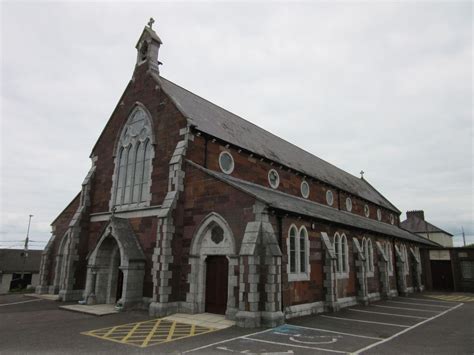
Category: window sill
[298,277]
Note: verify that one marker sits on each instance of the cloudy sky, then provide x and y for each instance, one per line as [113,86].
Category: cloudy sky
[384,87]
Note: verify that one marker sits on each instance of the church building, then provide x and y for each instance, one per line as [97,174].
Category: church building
[188,207]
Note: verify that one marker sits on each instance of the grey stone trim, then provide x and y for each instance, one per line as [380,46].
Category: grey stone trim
[141,212]
[361,272]
[416,267]
[330,274]
[401,276]
[347,302]
[375,296]
[383,271]
[305,309]
[163,255]
[260,266]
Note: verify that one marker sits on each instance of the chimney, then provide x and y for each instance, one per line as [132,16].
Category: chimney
[148,47]
[416,214]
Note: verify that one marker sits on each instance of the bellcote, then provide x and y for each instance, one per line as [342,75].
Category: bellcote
[148,47]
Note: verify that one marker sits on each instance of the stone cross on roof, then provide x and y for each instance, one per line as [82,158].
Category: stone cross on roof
[362,174]
[151,22]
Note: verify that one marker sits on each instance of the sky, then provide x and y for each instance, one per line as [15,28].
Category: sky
[384,87]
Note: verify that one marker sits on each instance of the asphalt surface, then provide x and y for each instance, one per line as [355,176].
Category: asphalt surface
[412,325]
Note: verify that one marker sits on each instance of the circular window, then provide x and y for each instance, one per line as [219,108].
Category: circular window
[366,210]
[329,197]
[273,178]
[226,162]
[348,204]
[379,214]
[392,220]
[304,189]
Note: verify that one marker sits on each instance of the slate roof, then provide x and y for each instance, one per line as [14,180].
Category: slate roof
[220,123]
[418,225]
[290,203]
[11,260]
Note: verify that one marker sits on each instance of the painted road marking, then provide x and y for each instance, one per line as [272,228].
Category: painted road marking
[404,331]
[420,304]
[423,300]
[365,321]
[386,314]
[456,298]
[407,309]
[225,341]
[333,331]
[148,333]
[295,345]
[10,304]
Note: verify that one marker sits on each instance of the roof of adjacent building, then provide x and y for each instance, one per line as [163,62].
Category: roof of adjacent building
[282,201]
[222,124]
[11,260]
[418,225]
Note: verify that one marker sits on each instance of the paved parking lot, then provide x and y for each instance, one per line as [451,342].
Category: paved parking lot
[404,325]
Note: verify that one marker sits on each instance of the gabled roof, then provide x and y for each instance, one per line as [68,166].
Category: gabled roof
[418,225]
[282,201]
[222,124]
[11,260]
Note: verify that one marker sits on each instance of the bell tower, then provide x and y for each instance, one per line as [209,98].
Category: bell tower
[148,47]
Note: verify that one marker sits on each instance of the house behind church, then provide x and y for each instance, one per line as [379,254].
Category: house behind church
[188,207]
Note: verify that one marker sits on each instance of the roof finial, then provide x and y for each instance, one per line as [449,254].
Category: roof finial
[151,22]
[362,174]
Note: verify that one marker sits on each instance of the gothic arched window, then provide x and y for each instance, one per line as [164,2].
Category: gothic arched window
[131,186]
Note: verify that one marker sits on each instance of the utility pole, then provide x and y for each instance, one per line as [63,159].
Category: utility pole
[25,250]
[463,236]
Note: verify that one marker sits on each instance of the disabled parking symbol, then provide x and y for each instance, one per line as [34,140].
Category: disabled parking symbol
[311,339]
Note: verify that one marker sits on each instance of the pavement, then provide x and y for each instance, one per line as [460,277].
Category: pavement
[417,324]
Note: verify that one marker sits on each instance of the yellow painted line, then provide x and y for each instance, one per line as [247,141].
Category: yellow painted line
[150,335]
[171,333]
[131,332]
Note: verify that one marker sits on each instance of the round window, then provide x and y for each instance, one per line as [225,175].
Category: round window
[379,214]
[392,220]
[273,178]
[348,204]
[226,162]
[304,189]
[366,210]
[329,197]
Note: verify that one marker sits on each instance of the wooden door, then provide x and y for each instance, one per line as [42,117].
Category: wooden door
[442,275]
[216,284]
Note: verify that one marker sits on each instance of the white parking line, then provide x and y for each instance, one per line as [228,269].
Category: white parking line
[407,309]
[332,331]
[366,321]
[386,314]
[294,345]
[225,341]
[405,330]
[419,304]
[424,300]
[9,304]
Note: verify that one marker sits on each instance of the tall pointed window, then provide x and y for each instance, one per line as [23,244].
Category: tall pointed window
[369,256]
[298,254]
[341,249]
[131,185]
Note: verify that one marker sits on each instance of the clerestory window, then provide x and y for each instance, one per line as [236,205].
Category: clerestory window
[131,187]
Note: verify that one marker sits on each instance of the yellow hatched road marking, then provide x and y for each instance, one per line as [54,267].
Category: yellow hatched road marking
[149,336]
[148,333]
[453,298]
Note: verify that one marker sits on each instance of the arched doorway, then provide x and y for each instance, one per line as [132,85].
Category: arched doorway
[213,259]
[116,267]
